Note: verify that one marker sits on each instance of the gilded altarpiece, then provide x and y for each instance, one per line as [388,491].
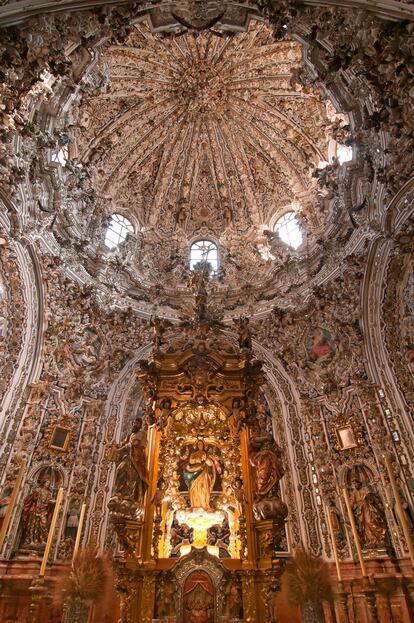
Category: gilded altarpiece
[196,503]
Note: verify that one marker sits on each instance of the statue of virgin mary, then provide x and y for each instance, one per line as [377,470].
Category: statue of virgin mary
[200,472]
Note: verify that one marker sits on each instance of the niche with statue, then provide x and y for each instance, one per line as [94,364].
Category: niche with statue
[37,511]
[368,510]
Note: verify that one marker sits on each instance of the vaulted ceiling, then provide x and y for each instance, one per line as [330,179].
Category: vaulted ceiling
[201,120]
[203,136]
[202,131]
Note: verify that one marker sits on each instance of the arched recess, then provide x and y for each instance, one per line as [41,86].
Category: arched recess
[111,433]
[13,537]
[26,326]
[298,487]
[289,432]
[378,358]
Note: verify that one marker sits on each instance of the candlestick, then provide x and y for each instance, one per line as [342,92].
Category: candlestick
[334,548]
[79,532]
[12,503]
[51,533]
[355,533]
[342,608]
[400,511]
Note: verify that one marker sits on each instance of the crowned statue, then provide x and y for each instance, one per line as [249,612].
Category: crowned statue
[200,472]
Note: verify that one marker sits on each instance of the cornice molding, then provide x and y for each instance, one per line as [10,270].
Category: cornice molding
[18,12]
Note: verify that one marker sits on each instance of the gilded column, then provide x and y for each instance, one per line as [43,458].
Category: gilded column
[153,449]
[248,509]
[148,597]
[250,614]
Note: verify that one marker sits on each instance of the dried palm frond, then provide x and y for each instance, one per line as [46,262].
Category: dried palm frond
[306,578]
[86,581]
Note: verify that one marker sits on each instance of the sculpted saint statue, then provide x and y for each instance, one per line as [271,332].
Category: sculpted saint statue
[72,521]
[131,478]
[236,417]
[164,600]
[36,515]
[200,472]
[245,335]
[4,503]
[369,515]
[265,458]
[234,605]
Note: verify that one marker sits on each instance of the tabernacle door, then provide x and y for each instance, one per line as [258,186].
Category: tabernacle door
[198,598]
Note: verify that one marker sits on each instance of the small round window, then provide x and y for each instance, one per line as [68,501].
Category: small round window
[204,251]
[118,229]
[289,230]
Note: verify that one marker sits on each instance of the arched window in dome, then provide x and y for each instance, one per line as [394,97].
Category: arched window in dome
[344,153]
[61,156]
[204,251]
[118,229]
[288,228]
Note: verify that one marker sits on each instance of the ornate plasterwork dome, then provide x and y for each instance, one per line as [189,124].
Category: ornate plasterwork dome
[201,136]
[203,131]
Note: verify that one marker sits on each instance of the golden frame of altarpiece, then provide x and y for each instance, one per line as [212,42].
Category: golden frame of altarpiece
[196,502]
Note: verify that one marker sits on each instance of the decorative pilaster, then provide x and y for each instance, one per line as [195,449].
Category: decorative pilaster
[127,586]
[148,597]
[269,534]
[341,604]
[370,592]
[77,611]
[249,597]
[37,590]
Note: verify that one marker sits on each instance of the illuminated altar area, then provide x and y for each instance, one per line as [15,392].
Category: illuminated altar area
[212,503]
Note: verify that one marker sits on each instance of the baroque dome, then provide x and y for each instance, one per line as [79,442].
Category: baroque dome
[201,136]
[207,126]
